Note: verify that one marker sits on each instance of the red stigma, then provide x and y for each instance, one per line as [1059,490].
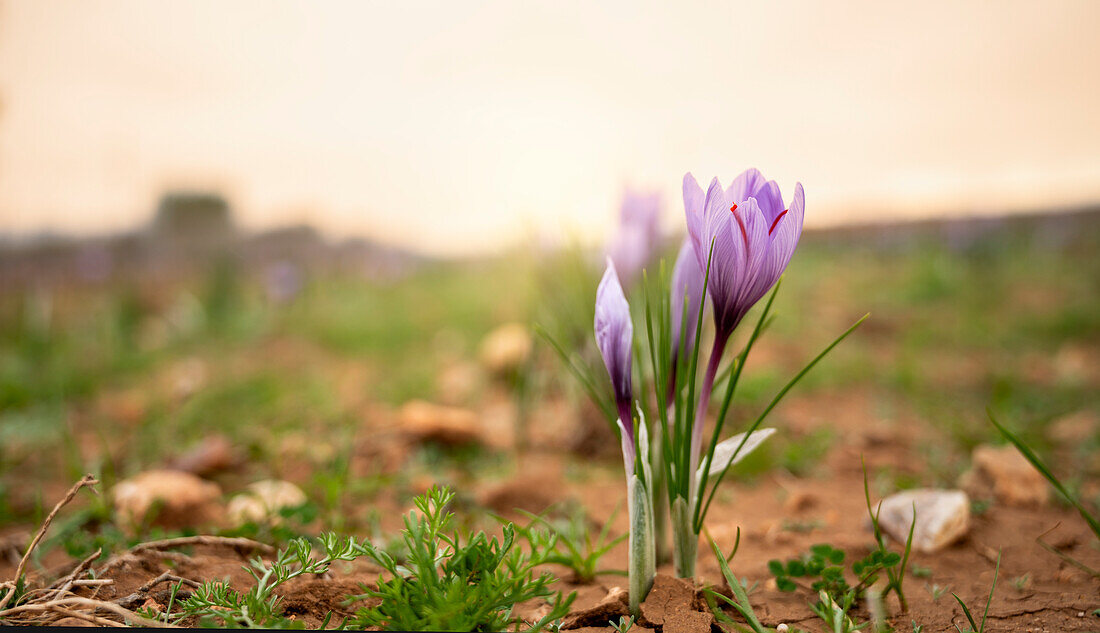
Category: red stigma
[777,219]
[733,208]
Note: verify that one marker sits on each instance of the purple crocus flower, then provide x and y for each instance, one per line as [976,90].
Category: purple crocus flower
[615,338]
[754,236]
[638,232]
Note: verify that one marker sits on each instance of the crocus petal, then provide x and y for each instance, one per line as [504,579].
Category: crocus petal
[770,200]
[614,336]
[745,185]
[755,228]
[785,233]
[723,452]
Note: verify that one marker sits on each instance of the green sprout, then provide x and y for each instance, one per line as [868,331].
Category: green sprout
[575,548]
[455,584]
[214,603]
[624,624]
[975,627]
[740,601]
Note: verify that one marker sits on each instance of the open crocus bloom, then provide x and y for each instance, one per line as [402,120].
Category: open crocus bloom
[754,236]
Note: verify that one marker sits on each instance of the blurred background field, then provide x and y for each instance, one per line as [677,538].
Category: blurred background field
[246,357]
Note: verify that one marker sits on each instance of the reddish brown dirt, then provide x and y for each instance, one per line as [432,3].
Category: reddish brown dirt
[779,516]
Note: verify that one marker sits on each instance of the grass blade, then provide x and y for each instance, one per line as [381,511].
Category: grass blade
[966,612]
[992,588]
[1030,455]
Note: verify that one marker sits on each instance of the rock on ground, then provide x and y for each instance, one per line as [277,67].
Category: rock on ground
[263,500]
[943,516]
[215,453]
[167,498]
[451,426]
[506,348]
[1002,472]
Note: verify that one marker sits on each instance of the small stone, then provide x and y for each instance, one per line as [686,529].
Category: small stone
[215,453]
[186,377]
[1006,474]
[263,500]
[533,492]
[426,422]
[1072,429]
[167,498]
[799,500]
[128,407]
[943,516]
[506,348]
[458,382]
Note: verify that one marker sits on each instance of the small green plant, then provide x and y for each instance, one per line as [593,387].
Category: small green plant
[937,591]
[740,601]
[802,527]
[976,627]
[216,604]
[624,624]
[835,613]
[166,617]
[823,565]
[575,547]
[1021,582]
[448,584]
[882,559]
[916,571]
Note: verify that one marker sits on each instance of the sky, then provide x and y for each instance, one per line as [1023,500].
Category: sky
[467,127]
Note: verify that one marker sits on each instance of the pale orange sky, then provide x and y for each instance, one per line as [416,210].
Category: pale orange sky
[461,127]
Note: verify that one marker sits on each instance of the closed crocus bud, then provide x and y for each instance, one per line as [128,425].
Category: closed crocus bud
[614,337]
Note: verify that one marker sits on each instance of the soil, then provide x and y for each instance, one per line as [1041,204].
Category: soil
[779,516]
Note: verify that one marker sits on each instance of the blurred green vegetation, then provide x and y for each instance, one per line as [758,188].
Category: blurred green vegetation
[1009,319]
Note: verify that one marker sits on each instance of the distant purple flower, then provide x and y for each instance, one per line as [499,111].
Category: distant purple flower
[282,281]
[754,237]
[615,338]
[636,238]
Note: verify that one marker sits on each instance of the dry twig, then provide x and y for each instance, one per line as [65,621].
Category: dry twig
[203,539]
[54,605]
[141,593]
[87,480]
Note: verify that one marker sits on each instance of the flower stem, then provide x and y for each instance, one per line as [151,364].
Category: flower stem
[701,410]
[685,542]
